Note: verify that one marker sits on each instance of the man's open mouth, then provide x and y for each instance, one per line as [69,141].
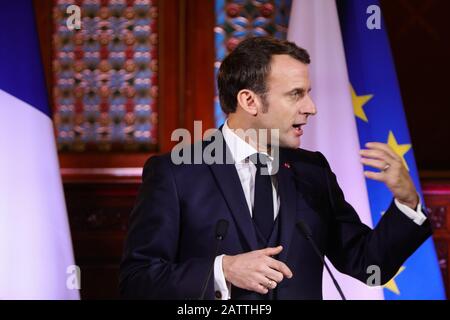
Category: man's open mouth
[298,127]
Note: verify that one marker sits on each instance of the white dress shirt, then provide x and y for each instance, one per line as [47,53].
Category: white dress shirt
[240,151]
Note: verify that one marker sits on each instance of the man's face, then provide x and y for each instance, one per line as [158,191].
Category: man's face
[288,103]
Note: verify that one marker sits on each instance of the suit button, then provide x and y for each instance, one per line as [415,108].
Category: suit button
[218,295]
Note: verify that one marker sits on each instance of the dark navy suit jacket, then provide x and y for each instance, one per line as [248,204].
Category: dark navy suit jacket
[171,239]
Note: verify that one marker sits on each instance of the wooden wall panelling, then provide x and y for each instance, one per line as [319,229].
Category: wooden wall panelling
[98,216]
[418,32]
[199,66]
[437,199]
[169,71]
[169,88]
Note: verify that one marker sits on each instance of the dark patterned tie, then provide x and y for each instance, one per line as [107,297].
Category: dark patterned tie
[263,200]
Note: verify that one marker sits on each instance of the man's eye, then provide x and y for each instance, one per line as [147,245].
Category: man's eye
[296,94]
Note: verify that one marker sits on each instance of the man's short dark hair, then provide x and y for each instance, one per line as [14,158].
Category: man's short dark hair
[248,66]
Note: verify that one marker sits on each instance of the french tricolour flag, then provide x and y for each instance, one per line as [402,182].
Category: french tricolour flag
[36,257]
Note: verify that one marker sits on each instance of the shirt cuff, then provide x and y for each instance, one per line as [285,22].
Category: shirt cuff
[415,215]
[222,289]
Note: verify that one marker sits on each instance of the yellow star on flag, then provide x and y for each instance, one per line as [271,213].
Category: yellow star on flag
[392,285]
[358,104]
[399,149]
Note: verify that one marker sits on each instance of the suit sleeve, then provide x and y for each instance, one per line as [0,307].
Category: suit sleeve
[149,268]
[353,246]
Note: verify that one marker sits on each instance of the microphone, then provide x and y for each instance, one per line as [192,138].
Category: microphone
[306,231]
[221,232]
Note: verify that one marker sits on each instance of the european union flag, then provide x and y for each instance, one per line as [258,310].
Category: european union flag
[380,117]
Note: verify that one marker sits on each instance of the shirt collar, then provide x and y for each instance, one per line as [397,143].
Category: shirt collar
[240,149]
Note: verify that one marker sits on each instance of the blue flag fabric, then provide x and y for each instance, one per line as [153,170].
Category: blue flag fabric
[380,117]
[20,63]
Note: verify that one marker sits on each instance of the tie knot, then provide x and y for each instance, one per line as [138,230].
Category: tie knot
[259,160]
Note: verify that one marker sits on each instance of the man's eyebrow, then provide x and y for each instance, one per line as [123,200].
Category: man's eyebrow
[298,90]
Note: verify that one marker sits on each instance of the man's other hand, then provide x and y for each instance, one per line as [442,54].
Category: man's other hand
[393,172]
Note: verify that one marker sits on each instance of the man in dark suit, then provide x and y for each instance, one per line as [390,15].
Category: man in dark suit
[267,187]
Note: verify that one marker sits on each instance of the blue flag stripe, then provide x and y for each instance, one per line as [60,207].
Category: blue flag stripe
[21,72]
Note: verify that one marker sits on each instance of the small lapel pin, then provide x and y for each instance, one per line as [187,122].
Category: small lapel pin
[287,165]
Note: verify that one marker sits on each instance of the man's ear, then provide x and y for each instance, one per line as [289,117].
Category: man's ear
[248,101]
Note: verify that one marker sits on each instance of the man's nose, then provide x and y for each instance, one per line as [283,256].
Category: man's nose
[308,107]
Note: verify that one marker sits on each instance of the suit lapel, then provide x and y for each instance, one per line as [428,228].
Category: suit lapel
[230,185]
[288,204]
[228,181]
